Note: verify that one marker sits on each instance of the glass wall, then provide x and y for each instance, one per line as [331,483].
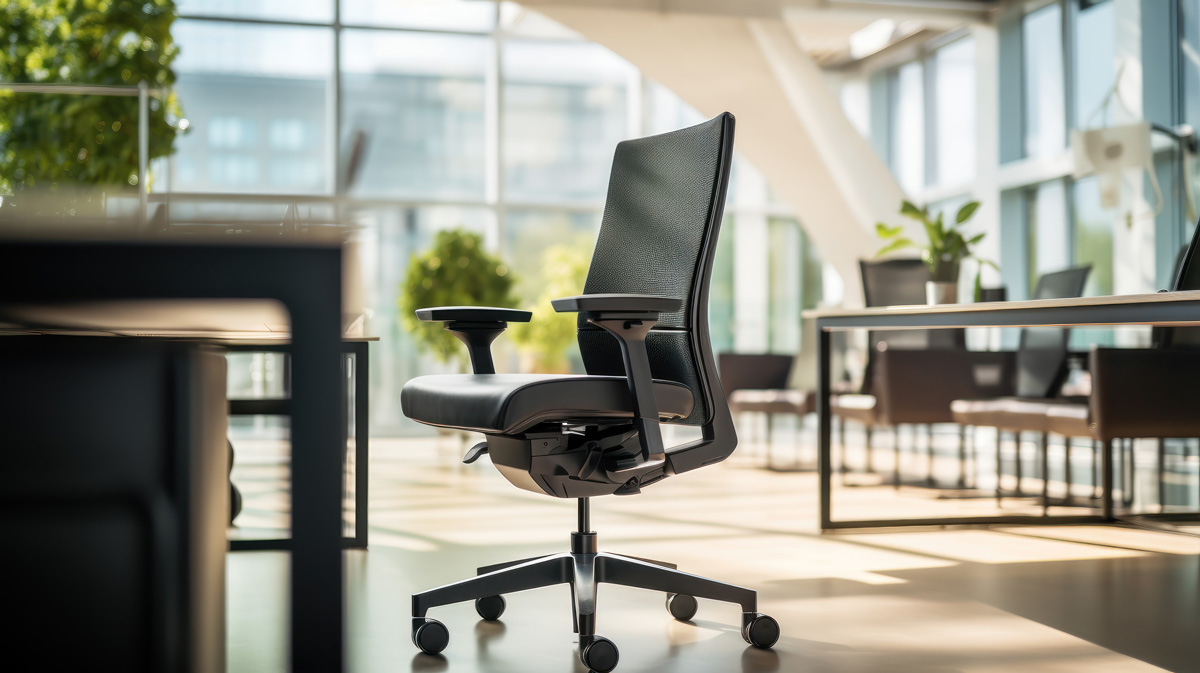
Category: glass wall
[907,132]
[954,114]
[407,118]
[1042,47]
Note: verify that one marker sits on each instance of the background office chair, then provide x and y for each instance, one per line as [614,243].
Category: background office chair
[1039,367]
[757,383]
[643,335]
[900,282]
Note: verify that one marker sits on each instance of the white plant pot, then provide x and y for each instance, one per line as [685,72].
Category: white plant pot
[941,292]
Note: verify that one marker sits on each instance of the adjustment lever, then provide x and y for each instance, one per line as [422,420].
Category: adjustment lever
[475,452]
[591,463]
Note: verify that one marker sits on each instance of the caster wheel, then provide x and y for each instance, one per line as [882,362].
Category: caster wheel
[759,630]
[431,636]
[600,655]
[235,502]
[490,607]
[682,606]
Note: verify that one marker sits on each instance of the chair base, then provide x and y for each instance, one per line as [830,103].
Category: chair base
[584,568]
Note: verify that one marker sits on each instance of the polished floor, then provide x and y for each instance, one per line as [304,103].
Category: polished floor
[1052,599]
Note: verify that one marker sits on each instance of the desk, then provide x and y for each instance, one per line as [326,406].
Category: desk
[1164,308]
[306,279]
[356,347]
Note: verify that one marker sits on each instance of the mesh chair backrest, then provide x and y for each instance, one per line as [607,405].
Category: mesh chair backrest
[666,197]
[1043,350]
[900,282]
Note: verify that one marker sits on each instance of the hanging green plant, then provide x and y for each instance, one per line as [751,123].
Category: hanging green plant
[454,271]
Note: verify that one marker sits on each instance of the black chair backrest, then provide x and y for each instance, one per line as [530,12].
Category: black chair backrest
[658,236]
[1187,277]
[1042,353]
[757,371]
[900,282]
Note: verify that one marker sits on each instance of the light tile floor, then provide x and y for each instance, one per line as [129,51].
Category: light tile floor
[1096,598]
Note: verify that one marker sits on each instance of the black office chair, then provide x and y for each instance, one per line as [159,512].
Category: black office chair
[643,334]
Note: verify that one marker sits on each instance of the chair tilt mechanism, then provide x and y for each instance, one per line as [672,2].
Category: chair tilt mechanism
[649,361]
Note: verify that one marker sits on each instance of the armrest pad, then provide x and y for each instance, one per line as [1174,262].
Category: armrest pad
[616,303]
[472,314]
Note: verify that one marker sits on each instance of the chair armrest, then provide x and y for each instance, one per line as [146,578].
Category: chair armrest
[472,314]
[477,327]
[616,303]
[1144,392]
[629,317]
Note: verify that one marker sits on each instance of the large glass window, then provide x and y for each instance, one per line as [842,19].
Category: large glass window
[257,101]
[1049,241]
[907,92]
[1045,116]
[454,15]
[1095,61]
[316,11]
[413,104]
[795,283]
[564,108]
[954,117]
[1094,236]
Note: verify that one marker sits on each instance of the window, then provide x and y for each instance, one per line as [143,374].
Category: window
[288,10]
[1049,237]
[795,283]
[1094,236]
[907,92]
[453,15]
[564,110]
[236,81]
[1042,47]
[954,115]
[1095,64]
[417,99]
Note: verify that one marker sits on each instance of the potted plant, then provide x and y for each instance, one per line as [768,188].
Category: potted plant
[454,271]
[943,254]
[546,338]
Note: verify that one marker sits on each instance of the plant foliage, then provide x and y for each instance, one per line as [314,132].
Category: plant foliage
[947,245]
[549,334]
[455,271]
[53,140]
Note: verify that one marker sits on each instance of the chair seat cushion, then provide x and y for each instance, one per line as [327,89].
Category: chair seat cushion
[1069,420]
[855,407]
[1008,413]
[779,401]
[512,403]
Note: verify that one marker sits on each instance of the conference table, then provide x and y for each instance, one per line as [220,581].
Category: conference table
[1161,309]
[298,283]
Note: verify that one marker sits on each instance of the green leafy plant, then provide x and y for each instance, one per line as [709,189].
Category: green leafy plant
[61,141]
[549,334]
[455,271]
[947,247]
